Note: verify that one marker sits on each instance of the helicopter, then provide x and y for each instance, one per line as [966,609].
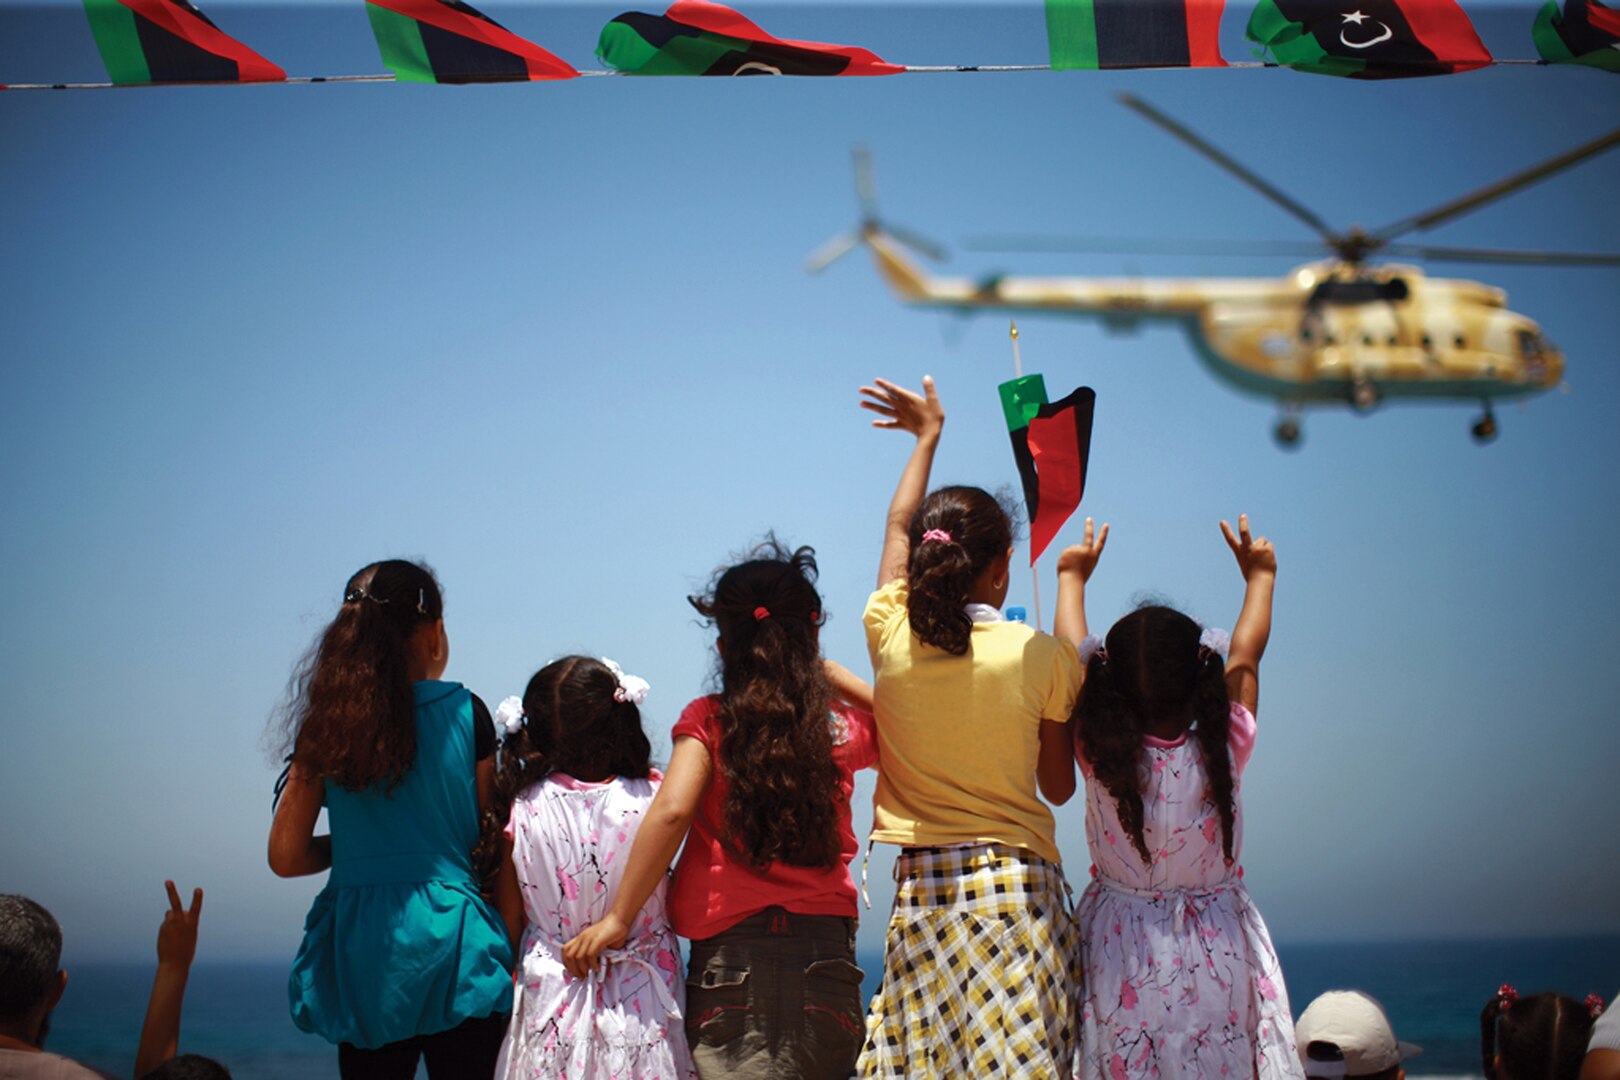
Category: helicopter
[1336,331]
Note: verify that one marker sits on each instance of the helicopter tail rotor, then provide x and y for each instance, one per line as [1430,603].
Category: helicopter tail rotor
[870,225]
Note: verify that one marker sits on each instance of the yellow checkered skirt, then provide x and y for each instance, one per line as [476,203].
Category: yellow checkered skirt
[981,974]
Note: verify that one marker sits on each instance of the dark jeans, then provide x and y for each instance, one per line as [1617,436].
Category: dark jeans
[777,995]
[465,1052]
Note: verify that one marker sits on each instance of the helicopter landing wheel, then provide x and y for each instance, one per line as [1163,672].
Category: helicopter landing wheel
[1363,394]
[1484,429]
[1287,433]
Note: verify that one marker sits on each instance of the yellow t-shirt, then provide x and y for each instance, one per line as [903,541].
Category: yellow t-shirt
[959,736]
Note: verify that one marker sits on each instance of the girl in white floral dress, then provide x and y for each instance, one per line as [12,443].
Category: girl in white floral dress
[576,776]
[1181,979]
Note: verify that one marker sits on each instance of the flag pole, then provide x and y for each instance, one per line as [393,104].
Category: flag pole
[1034,577]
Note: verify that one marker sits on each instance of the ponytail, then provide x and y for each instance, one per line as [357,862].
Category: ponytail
[351,711]
[954,535]
[1212,705]
[1112,736]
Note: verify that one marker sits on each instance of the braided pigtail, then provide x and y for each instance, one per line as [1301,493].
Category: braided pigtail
[954,535]
[1112,742]
[1213,707]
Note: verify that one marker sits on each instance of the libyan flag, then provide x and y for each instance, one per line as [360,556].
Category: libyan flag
[695,37]
[1051,444]
[447,41]
[1374,39]
[1090,34]
[148,41]
[1586,33]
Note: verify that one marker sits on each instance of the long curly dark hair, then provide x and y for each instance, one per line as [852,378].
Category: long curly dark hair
[776,750]
[350,714]
[940,573]
[1154,667]
[573,724]
[1539,1037]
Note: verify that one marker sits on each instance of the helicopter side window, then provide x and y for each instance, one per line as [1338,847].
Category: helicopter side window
[1360,291]
[1531,344]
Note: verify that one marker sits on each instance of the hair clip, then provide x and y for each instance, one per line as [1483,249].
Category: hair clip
[761,614]
[1506,996]
[1091,645]
[632,688]
[936,534]
[509,717]
[354,596]
[1594,1005]
[421,601]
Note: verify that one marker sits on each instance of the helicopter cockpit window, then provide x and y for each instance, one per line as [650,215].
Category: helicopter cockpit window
[1531,344]
[1360,291]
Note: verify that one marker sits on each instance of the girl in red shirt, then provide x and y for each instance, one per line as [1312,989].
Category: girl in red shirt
[761,776]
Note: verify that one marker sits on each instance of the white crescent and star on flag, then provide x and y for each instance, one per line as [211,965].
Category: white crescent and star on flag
[1357,19]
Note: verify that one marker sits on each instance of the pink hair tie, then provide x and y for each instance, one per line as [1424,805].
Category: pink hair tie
[1594,1005]
[761,614]
[1506,996]
[937,534]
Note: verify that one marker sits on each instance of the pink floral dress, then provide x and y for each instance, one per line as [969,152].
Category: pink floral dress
[570,843]
[1181,979]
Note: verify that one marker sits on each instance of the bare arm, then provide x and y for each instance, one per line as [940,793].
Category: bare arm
[924,417]
[1054,769]
[1075,567]
[1257,560]
[848,686]
[176,945]
[1601,1065]
[295,850]
[509,897]
[657,841]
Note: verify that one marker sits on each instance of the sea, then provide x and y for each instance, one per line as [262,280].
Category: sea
[1432,990]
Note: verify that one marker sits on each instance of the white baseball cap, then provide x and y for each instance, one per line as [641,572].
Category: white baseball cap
[1345,1033]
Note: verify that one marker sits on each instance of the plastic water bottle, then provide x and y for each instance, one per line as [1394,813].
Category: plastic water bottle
[1017,614]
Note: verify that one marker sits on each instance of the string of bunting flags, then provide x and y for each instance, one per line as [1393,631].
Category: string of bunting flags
[168,42]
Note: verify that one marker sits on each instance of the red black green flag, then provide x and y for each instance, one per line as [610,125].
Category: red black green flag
[1585,33]
[1051,444]
[447,41]
[1373,39]
[1089,34]
[694,37]
[160,41]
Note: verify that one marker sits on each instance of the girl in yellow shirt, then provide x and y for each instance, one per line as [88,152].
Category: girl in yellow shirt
[972,719]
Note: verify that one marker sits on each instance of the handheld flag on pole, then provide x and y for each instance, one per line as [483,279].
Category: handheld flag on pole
[447,41]
[163,41]
[1051,444]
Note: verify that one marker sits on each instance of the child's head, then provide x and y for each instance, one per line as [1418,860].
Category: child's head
[1540,1037]
[1154,668]
[959,536]
[578,720]
[351,710]
[784,795]
[189,1067]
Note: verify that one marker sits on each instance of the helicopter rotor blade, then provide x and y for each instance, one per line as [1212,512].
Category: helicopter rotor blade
[1135,103]
[1104,245]
[830,252]
[917,242]
[865,181]
[1492,192]
[1486,255]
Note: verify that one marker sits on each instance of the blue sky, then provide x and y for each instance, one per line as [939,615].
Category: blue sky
[557,340]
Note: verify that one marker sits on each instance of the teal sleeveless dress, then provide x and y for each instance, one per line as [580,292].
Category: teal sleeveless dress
[399,943]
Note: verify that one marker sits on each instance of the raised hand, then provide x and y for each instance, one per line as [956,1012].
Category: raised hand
[899,408]
[177,937]
[582,953]
[1082,558]
[1253,554]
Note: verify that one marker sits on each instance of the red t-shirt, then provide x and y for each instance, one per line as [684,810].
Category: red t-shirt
[713,890]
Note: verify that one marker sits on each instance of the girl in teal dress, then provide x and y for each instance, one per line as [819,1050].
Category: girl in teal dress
[401,958]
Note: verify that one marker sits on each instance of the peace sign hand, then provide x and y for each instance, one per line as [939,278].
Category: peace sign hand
[1254,554]
[177,937]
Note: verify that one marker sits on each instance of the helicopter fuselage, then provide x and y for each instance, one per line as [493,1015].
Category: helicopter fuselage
[1329,332]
